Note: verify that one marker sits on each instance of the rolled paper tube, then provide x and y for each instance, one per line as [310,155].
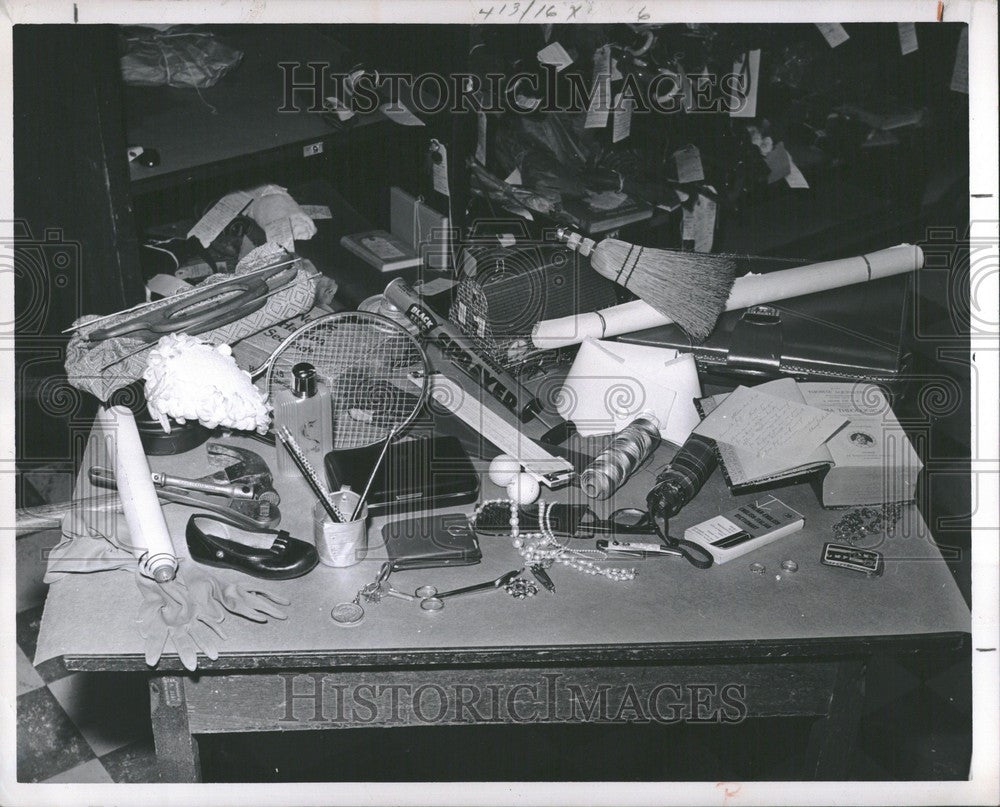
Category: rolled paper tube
[150,540]
[747,291]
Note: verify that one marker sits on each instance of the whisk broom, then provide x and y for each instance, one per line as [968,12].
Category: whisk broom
[691,288]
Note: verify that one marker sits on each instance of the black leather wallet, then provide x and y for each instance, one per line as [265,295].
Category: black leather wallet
[420,474]
[424,542]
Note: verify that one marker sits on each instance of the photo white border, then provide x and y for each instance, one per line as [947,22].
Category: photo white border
[983,787]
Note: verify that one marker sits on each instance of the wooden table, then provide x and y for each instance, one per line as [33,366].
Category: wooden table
[720,645]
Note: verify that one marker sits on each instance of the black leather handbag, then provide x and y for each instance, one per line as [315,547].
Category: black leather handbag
[854,333]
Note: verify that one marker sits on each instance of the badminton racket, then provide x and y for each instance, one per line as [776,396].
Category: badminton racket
[376,371]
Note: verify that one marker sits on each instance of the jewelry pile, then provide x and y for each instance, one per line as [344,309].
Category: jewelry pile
[544,547]
[867,521]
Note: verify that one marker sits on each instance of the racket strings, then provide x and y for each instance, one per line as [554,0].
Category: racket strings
[365,361]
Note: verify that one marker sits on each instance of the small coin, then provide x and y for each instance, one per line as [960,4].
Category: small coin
[348,614]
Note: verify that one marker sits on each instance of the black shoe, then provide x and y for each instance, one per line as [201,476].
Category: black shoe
[284,559]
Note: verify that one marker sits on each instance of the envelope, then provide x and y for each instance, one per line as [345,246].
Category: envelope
[612,383]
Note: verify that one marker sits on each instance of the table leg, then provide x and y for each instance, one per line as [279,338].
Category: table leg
[832,738]
[176,748]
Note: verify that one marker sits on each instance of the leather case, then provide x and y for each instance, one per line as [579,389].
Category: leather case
[430,541]
[855,333]
[420,474]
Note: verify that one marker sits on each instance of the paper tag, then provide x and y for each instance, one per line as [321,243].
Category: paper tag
[506,240]
[555,54]
[165,286]
[397,112]
[795,177]
[699,224]
[279,232]
[748,69]
[316,212]
[833,33]
[600,101]
[439,167]
[481,137]
[133,152]
[687,92]
[218,217]
[960,74]
[624,104]
[687,225]
[688,161]
[907,37]
[381,247]
[514,178]
[778,162]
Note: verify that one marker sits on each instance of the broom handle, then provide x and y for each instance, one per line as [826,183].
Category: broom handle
[747,291]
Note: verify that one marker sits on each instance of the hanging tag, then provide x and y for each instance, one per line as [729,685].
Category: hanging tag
[481,137]
[165,286]
[795,178]
[616,74]
[624,104]
[279,232]
[218,217]
[439,167]
[556,55]
[600,101]
[514,178]
[907,37]
[747,68]
[688,162]
[316,212]
[698,224]
[778,162]
[833,33]
[960,73]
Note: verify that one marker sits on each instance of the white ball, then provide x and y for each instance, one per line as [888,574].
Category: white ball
[523,489]
[503,469]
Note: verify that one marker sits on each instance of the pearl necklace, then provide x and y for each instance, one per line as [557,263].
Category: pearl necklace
[536,547]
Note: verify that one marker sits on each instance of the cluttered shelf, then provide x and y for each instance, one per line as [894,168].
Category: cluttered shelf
[246,114]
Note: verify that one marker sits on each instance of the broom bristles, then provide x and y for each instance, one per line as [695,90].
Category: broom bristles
[691,288]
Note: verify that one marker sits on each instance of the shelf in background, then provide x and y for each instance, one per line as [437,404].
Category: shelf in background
[195,142]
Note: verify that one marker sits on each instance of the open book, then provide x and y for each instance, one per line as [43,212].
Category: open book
[785,429]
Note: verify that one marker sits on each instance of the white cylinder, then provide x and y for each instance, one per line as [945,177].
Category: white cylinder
[150,540]
[747,291]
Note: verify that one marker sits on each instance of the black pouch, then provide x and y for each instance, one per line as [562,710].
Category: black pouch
[421,474]
[432,540]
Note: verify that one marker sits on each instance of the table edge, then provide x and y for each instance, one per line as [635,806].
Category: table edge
[681,652]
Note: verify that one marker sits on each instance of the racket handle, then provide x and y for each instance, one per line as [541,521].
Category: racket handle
[371,478]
